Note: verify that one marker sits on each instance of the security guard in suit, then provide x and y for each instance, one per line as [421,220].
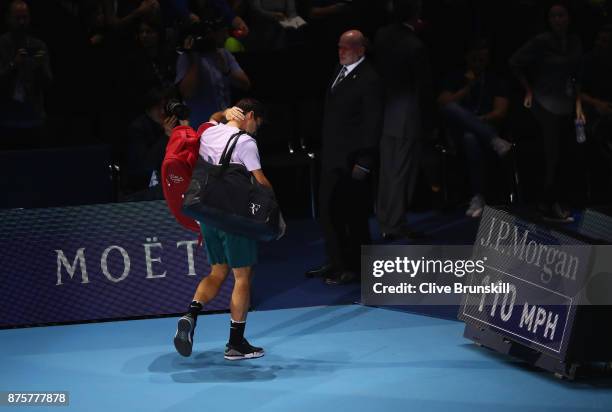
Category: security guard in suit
[350,136]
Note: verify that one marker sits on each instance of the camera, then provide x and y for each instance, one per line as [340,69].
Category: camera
[204,34]
[177,108]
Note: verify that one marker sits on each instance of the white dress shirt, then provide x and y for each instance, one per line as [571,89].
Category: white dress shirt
[349,69]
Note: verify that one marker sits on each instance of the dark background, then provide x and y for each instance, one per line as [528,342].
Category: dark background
[85,103]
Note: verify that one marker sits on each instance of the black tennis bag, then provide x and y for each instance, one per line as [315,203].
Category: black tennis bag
[227,197]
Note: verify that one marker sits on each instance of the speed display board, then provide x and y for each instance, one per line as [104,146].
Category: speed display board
[546,271]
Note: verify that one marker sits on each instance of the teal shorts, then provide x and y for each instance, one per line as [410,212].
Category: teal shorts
[225,248]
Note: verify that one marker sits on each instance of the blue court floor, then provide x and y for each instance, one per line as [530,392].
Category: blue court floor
[337,358]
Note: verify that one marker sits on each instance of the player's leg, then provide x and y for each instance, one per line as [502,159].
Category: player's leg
[238,347]
[205,292]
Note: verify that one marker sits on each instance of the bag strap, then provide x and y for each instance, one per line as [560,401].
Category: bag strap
[229,150]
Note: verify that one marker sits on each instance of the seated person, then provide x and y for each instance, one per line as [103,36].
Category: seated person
[274,24]
[274,10]
[474,102]
[324,9]
[596,93]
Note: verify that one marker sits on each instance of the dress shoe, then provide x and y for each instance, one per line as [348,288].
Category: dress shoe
[342,278]
[476,208]
[320,272]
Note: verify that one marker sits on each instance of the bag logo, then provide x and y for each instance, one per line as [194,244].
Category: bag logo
[254,208]
[174,179]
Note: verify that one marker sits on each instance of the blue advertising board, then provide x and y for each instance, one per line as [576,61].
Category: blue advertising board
[96,262]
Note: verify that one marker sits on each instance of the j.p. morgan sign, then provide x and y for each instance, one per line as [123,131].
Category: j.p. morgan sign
[546,271]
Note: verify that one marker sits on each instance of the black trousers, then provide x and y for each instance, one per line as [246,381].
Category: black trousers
[599,159]
[561,154]
[399,167]
[344,208]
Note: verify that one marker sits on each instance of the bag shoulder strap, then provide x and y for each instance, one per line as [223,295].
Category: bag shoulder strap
[229,148]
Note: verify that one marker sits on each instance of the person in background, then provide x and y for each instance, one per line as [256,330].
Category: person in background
[144,149]
[151,64]
[209,9]
[122,14]
[596,93]
[403,62]
[25,71]
[547,67]
[269,20]
[475,103]
[206,73]
[350,138]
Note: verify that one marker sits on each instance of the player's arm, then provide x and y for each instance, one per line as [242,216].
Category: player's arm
[262,179]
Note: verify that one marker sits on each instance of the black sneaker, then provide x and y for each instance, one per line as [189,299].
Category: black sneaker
[244,350]
[183,339]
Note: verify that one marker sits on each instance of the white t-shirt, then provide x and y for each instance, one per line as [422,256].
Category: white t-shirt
[213,139]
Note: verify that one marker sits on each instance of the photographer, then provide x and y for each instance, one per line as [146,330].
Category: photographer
[206,72]
[25,72]
[145,146]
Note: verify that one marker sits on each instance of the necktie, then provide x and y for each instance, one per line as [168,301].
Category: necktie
[341,77]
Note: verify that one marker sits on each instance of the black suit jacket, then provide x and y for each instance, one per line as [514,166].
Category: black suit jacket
[352,119]
[402,61]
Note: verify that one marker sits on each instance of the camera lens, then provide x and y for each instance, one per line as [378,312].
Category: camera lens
[177,108]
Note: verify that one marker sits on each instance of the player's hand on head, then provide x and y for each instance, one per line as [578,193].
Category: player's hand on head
[234,113]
